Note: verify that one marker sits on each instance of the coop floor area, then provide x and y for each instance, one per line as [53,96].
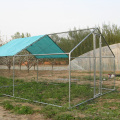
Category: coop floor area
[52,87]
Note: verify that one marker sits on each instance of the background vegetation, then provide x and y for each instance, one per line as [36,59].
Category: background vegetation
[69,41]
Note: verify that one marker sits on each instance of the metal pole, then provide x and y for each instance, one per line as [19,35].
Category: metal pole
[71,31]
[114,72]
[37,70]
[93,57]
[82,41]
[106,42]
[69,78]
[44,54]
[13,76]
[100,82]
[94,54]
[90,64]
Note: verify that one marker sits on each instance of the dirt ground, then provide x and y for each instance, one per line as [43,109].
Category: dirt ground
[6,115]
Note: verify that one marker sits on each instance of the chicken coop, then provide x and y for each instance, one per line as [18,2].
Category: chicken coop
[63,69]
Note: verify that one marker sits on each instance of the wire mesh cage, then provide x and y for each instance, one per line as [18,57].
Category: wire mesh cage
[69,69]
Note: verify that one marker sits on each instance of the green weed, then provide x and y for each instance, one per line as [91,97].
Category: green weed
[44,92]
[23,110]
[57,93]
[64,117]
[7,105]
[18,108]
[49,111]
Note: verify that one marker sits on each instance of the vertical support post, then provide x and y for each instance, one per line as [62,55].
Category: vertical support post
[13,76]
[69,80]
[52,67]
[37,70]
[100,81]
[114,73]
[90,64]
[94,55]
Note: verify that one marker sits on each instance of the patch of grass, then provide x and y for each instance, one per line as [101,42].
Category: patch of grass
[64,117]
[5,81]
[111,104]
[23,110]
[49,93]
[49,111]
[56,113]
[18,109]
[102,108]
[89,77]
[112,95]
[7,105]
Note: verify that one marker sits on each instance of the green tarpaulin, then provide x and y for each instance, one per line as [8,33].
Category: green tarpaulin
[42,44]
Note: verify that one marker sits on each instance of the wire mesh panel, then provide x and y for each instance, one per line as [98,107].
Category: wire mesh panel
[82,74]
[108,68]
[82,82]
[68,40]
[6,76]
[45,82]
[83,69]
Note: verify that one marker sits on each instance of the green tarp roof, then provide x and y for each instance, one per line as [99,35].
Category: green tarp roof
[42,44]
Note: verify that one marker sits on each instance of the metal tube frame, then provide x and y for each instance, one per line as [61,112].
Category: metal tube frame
[95,57]
[82,41]
[94,54]
[100,81]
[37,70]
[44,54]
[92,98]
[33,100]
[13,76]
[94,46]
[106,42]
[114,73]
[72,31]
[69,79]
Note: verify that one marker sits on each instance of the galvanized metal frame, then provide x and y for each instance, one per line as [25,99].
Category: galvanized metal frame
[69,79]
[94,55]
[100,47]
[13,75]
[69,54]
[37,70]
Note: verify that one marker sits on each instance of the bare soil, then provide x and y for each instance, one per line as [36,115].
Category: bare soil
[7,115]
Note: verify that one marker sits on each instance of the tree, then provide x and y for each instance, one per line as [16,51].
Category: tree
[111,33]
[22,35]
[20,60]
[1,42]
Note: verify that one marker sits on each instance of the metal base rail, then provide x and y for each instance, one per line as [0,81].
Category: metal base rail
[93,32]
[10,86]
[104,88]
[98,95]
[31,100]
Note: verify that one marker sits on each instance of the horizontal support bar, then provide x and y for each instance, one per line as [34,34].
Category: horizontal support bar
[95,57]
[71,31]
[98,95]
[33,100]
[82,41]
[107,89]
[43,54]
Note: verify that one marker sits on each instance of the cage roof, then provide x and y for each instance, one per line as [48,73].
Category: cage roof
[42,44]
